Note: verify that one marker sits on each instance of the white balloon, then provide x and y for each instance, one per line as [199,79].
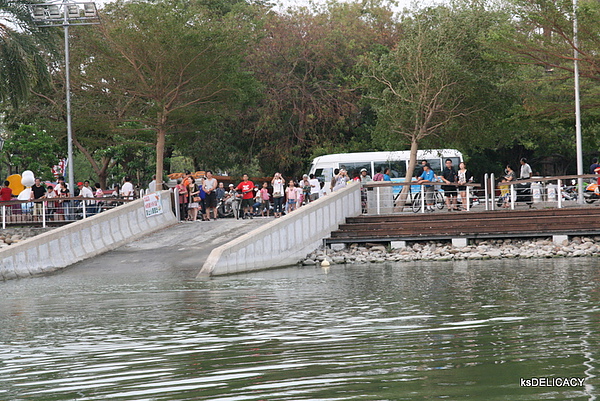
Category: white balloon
[25,194]
[27,178]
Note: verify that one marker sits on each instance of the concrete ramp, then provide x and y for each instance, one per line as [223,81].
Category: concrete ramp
[286,240]
[86,238]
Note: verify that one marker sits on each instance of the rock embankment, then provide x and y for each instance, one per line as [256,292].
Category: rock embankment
[18,234]
[440,251]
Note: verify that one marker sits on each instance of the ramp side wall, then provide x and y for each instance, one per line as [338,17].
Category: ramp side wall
[285,241]
[69,244]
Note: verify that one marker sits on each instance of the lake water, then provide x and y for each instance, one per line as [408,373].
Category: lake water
[416,331]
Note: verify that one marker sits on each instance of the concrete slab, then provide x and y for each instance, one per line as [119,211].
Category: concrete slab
[182,248]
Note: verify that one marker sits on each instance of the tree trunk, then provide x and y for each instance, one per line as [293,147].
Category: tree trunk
[414,147]
[161,135]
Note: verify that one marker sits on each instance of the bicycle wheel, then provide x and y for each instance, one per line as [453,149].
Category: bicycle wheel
[416,202]
[439,200]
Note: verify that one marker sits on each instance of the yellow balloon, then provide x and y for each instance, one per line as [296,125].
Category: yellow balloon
[15,184]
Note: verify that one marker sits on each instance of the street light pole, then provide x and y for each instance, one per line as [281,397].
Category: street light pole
[578,140]
[68,97]
[49,15]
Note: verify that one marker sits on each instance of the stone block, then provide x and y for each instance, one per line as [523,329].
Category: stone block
[459,242]
[338,247]
[398,244]
[560,239]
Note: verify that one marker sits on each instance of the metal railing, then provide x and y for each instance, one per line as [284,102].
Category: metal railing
[540,190]
[379,197]
[55,211]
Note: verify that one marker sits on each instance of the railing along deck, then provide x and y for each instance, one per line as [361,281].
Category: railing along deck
[55,211]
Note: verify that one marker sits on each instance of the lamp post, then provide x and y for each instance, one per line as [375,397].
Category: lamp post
[578,140]
[66,14]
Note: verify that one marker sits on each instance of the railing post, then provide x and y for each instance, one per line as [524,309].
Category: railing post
[485,188]
[559,194]
[84,208]
[43,213]
[378,202]
[512,196]
[176,203]
[492,192]
[422,198]
[3,217]
[468,203]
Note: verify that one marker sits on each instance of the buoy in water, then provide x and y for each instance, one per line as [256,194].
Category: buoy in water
[325,263]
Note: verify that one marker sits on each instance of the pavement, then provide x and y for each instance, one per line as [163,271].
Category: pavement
[179,250]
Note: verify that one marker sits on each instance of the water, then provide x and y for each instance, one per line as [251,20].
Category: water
[418,331]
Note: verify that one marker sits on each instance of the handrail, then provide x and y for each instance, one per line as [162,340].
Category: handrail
[531,180]
[55,210]
[377,184]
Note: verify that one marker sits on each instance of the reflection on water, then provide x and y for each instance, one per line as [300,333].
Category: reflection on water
[374,332]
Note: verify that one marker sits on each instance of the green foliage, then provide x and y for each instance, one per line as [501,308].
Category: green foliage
[30,148]
[22,49]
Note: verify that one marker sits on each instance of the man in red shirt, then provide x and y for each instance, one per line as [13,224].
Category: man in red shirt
[5,192]
[246,187]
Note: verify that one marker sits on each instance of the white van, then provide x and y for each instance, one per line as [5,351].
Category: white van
[322,167]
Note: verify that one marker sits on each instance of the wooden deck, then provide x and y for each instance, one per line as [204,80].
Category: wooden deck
[485,224]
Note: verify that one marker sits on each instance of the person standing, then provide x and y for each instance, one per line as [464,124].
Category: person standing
[386,174]
[246,187]
[152,184]
[265,204]
[181,199]
[315,188]
[5,192]
[51,204]
[63,210]
[449,176]
[427,176]
[306,189]
[464,177]
[340,180]
[292,196]
[509,176]
[220,191]
[37,192]
[364,176]
[86,192]
[98,194]
[209,185]
[525,169]
[193,192]
[278,194]
[127,191]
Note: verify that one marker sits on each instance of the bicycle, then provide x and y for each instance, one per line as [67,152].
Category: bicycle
[438,201]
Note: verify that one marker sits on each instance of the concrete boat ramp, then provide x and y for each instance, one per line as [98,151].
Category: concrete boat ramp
[145,234]
[181,248]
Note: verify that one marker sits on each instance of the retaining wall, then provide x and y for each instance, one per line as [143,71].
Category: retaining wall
[83,239]
[287,240]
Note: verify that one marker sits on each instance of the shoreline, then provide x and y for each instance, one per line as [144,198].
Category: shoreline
[481,249]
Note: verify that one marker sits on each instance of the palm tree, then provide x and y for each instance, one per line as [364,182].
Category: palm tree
[22,49]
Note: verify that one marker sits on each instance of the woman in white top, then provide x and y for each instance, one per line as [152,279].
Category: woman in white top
[278,184]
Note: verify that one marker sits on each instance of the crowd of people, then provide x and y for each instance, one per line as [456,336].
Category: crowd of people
[205,198]
[58,198]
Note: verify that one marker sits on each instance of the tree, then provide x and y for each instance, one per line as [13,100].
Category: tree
[165,60]
[306,63]
[541,40]
[22,64]
[30,148]
[414,88]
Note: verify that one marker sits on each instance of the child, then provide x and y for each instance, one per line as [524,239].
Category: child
[292,196]
[265,197]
